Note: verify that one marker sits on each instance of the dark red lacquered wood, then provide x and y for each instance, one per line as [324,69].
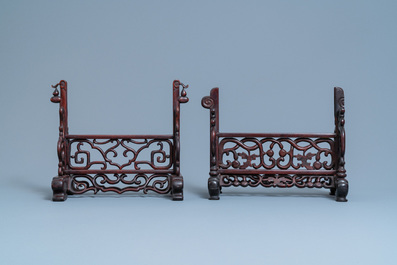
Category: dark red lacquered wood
[118,163]
[279,135]
[120,171]
[121,137]
[313,160]
[276,171]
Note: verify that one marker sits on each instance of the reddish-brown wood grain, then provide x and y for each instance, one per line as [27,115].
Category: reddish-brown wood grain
[277,159]
[118,163]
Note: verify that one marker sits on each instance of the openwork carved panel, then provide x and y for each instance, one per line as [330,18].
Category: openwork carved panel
[281,181]
[276,153]
[135,154]
[120,183]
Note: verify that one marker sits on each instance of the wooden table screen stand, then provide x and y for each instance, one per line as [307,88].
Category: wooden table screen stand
[88,162]
[277,159]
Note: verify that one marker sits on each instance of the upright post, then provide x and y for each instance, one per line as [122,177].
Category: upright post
[60,183]
[177,179]
[342,185]
[211,102]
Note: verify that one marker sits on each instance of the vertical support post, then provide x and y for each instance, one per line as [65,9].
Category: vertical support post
[212,103]
[60,184]
[176,178]
[341,184]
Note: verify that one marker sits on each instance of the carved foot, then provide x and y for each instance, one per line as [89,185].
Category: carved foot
[59,187]
[177,188]
[214,188]
[332,191]
[342,188]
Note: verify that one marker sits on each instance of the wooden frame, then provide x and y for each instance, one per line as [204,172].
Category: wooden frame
[277,159]
[92,162]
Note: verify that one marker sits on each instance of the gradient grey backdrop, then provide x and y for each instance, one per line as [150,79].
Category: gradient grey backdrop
[276,63]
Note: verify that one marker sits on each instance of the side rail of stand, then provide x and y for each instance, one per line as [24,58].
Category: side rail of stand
[281,160]
[118,163]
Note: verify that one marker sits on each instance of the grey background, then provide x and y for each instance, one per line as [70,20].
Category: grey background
[275,62]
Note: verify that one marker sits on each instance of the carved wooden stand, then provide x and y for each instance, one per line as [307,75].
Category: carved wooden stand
[88,162]
[277,160]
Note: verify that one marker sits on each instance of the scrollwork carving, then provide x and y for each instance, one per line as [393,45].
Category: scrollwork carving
[207,102]
[281,181]
[121,183]
[116,150]
[261,153]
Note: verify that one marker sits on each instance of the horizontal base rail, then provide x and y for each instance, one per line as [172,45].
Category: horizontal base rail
[103,136]
[115,171]
[279,135]
[280,172]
